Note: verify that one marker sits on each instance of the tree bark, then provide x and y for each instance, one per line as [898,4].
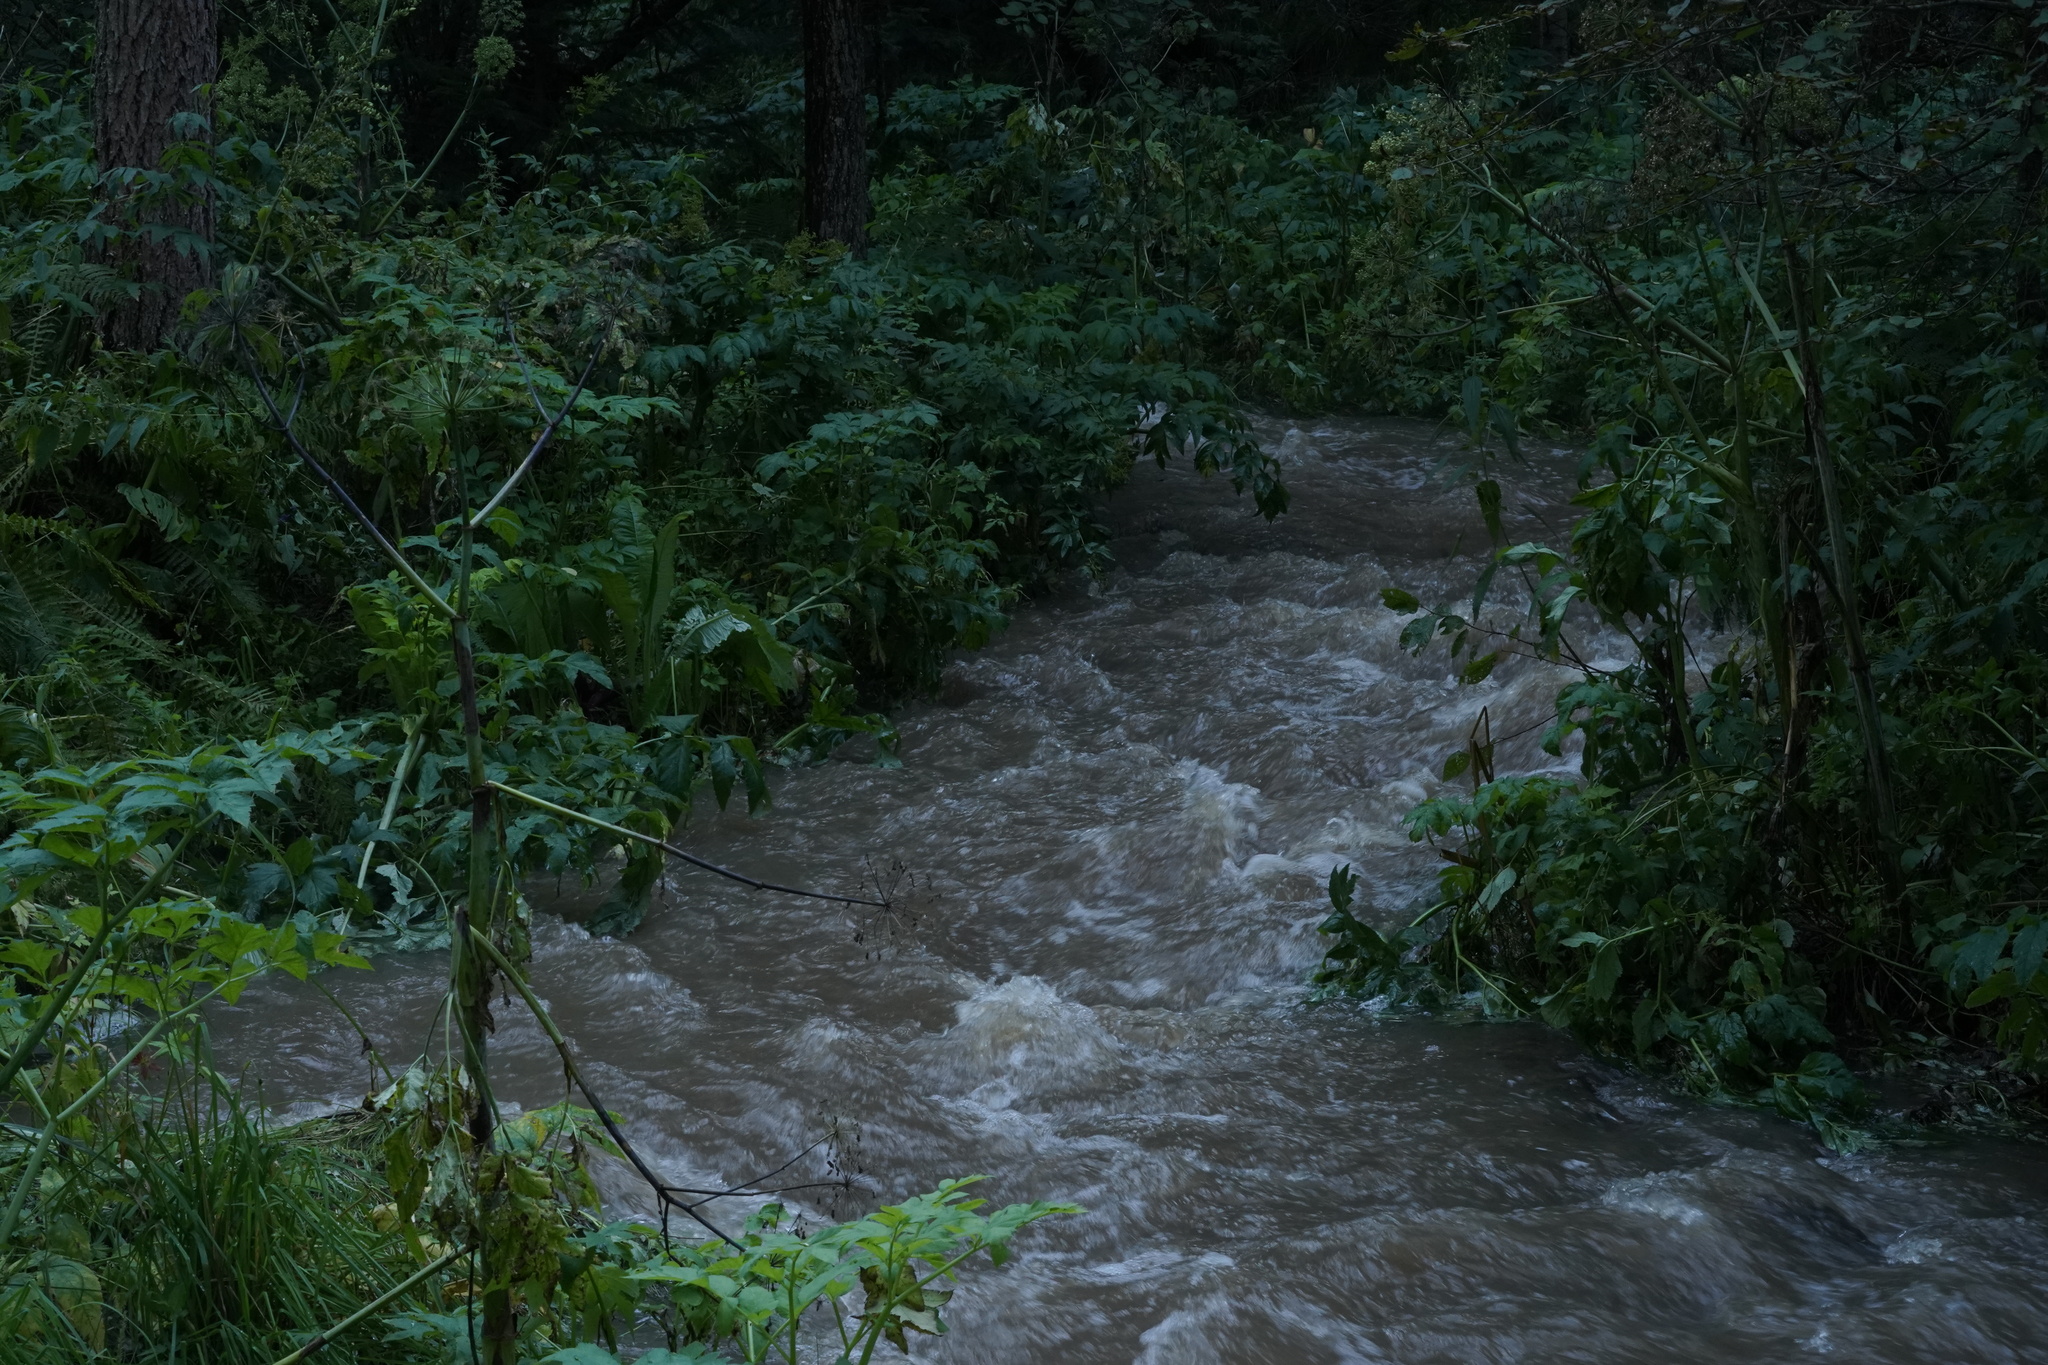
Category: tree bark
[152,57]
[836,122]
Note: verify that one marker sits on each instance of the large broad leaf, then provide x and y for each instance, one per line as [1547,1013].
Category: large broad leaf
[584,1354]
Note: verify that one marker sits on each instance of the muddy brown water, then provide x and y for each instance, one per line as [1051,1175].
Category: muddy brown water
[1119,818]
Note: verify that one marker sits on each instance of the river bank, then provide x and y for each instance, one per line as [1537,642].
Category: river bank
[1118,818]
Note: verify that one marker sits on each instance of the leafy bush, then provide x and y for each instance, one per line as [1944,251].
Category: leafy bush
[1817,450]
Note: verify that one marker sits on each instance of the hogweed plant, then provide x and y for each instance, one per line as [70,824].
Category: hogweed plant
[132,887]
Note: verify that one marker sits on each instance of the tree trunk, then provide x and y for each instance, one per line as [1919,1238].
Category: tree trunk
[836,122]
[152,56]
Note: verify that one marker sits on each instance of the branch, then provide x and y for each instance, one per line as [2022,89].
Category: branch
[525,371]
[320,471]
[475,83]
[674,852]
[541,1016]
[512,480]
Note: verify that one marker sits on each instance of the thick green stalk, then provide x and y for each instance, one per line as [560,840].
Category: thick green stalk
[414,743]
[469,971]
[1763,580]
[469,978]
[1681,700]
[341,494]
[692,859]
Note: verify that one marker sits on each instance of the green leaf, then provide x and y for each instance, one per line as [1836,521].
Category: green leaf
[504,523]
[2027,946]
[1479,669]
[298,858]
[524,1180]
[1510,435]
[1473,396]
[1343,885]
[1978,954]
[920,1319]
[1999,987]
[585,1353]
[757,1302]
[35,956]
[1397,599]
[1646,1026]
[1484,585]
[1606,971]
[1489,508]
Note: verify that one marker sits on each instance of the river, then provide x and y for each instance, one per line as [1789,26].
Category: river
[1113,827]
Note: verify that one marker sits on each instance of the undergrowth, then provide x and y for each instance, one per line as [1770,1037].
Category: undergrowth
[283,679]
[1783,267]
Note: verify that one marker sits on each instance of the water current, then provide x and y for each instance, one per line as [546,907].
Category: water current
[1117,821]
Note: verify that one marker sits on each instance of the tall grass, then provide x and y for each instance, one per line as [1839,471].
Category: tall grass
[181,1227]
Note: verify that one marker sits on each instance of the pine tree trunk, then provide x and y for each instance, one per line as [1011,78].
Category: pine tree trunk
[836,122]
[152,56]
